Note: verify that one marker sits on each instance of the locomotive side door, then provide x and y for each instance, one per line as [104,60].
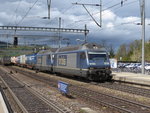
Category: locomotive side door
[82,62]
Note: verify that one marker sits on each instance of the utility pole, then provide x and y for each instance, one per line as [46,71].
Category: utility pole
[143,35]
[85,34]
[100,12]
[7,40]
[49,7]
[59,32]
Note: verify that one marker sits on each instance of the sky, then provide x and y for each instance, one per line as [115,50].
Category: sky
[118,21]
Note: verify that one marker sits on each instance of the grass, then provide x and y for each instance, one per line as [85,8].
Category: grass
[19,50]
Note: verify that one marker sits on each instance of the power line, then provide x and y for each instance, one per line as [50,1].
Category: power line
[67,9]
[64,11]
[124,5]
[116,25]
[17,10]
[103,13]
[84,6]
[13,16]
[108,3]
[14,13]
[106,9]
[118,4]
[132,22]
[27,13]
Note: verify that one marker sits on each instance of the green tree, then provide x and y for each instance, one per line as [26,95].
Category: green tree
[122,52]
[111,51]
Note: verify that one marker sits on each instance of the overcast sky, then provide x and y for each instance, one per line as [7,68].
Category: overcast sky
[118,21]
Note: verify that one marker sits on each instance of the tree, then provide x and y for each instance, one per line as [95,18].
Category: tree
[111,51]
[122,52]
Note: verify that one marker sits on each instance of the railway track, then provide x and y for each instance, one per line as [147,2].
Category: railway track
[97,98]
[111,85]
[110,101]
[126,88]
[29,100]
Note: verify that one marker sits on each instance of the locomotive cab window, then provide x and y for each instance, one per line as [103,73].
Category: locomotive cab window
[49,56]
[97,56]
[82,55]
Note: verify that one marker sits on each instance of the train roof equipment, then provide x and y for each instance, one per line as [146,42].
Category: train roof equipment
[86,46]
[52,50]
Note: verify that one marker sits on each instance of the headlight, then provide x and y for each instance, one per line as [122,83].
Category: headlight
[106,63]
[92,63]
[91,68]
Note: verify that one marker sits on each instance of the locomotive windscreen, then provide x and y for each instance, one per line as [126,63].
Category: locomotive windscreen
[97,56]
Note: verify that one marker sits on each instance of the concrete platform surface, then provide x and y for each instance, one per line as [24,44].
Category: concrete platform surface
[132,77]
[3,108]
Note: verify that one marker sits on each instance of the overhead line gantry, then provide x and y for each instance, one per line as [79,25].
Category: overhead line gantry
[48,29]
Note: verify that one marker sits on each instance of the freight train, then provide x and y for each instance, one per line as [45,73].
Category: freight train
[89,61]
[6,60]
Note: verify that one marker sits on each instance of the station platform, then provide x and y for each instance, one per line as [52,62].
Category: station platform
[3,107]
[132,78]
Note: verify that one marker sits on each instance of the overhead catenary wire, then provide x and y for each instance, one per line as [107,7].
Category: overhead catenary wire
[131,22]
[63,12]
[91,16]
[27,13]
[88,19]
[100,5]
[67,9]
[118,4]
[15,13]
[98,12]
[24,15]
[120,24]
[107,3]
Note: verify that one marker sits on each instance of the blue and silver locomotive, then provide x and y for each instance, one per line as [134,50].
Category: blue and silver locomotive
[88,60]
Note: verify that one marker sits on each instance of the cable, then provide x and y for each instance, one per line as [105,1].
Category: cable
[67,9]
[117,5]
[15,13]
[27,13]
[13,16]
[132,22]
[115,25]
[103,13]
[102,10]
[64,11]
[108,3]
[91,16]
